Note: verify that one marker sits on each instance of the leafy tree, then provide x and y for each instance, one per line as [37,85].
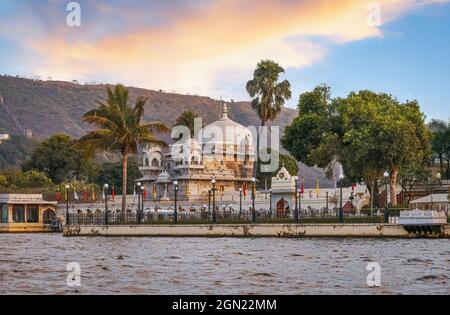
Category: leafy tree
[111,173]
[269,95]
[367,132]
[121,128]
[440,143]
[187,119]
[31,179]
[57,158]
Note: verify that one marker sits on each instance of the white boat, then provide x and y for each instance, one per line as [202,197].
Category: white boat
[420,217]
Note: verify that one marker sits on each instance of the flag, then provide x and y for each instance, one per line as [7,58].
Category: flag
[57,196]
[145,194]
[154,192]
[244,189]
[134,194]
[302,188]
[66,196]
[317,187]
[353,187]
[75,195]
[84,195]
[113,193]
[254,190]
[93,195]
[103,194]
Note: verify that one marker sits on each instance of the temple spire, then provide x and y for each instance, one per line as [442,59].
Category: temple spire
[224,109]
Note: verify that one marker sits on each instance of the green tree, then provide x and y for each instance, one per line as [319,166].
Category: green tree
[111,173]
[121,128]
[32,179]
[367,132]
[268,94]
[187,119]
[57,158]
[440,142]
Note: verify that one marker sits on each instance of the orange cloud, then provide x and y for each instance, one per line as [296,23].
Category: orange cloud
[220,43]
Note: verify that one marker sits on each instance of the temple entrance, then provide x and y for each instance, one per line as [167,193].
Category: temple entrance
[282,205]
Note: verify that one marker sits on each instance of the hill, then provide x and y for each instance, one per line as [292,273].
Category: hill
[49,107]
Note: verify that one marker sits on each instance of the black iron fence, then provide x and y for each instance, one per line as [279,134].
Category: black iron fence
[221,217]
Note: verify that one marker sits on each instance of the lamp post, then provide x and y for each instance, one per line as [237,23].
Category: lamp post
[67,204]
[139,185]
[141,212]
[175,217]
[213,182]
[296,202]
[209,201]
[341,209]
[240,202]
[253,200]
[386,209]
[105,192]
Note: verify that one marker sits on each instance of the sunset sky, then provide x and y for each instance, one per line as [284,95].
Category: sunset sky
[210,47]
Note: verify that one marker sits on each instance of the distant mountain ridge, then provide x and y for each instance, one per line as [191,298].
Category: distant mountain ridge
[49,107]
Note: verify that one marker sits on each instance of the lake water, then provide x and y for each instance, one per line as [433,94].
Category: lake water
[36,264]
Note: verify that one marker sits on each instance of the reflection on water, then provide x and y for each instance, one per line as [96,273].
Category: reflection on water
[36,264]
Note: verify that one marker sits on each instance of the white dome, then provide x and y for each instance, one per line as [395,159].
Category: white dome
[226,131]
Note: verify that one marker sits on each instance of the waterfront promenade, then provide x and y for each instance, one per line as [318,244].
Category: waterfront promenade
[251,230]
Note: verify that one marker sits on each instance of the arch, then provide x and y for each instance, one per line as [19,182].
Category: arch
[156,162]
[48,216]
[282,207]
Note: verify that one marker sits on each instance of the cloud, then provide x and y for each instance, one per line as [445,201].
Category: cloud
[202,47]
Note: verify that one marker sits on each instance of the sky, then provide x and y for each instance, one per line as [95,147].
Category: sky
[211,47]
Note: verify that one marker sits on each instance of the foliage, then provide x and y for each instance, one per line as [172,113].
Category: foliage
[17,180]
[57,158]
[120,128]
[440,144]
[187,119]
[268,94]
[367,132]
[111,173]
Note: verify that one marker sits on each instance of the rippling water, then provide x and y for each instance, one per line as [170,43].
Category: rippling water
[36,264]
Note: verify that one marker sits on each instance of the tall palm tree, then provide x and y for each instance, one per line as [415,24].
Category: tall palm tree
[268,94]
[440,142]
[121,128]
[187,119]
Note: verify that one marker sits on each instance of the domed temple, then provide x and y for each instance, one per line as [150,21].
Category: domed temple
[223,150]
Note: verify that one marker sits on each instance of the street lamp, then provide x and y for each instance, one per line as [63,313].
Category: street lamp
[386,209]
[296,202]
[213,182]
[253,200]
[139,184]
[240,202]
[341,209]
[175,217]
[105,192]
[141,212]
[67,204]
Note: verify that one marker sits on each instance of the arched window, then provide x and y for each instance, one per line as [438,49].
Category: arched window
[156,163]
[146,162]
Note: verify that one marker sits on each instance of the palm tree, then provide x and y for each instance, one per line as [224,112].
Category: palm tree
[440,142]
[268,94]
[120,128]
[187,119]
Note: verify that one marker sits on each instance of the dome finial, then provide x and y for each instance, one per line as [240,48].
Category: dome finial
[224,109]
